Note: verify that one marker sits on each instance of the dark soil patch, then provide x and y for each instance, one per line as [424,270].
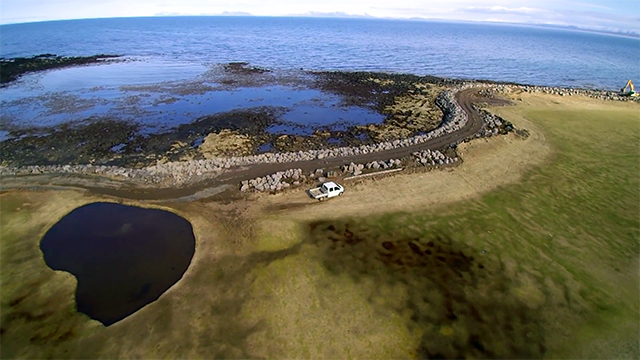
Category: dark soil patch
[124,257]
[458,298]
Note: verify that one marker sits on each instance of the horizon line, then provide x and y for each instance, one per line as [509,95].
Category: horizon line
[345,16]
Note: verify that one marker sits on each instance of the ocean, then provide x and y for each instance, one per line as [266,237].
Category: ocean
[179,47]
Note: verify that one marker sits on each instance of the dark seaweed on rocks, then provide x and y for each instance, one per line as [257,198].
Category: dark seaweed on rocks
[370,89]
[111,142]
[66,144]
[242,68]
[251,122]
[11,69]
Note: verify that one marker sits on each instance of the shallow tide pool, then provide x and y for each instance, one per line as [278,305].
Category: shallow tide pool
[160,95]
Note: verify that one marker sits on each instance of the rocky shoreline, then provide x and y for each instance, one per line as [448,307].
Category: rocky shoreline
[287,112]
[181,172]
[185,172]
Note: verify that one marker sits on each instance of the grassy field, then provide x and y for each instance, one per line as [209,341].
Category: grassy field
[559,248]
[528,249]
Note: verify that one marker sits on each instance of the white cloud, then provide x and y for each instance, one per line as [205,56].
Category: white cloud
[588,16]
[504,10]
[595,6]
[621,14]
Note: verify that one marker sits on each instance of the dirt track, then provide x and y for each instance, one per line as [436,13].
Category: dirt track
[464,98]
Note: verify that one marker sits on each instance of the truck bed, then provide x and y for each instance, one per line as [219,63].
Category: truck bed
[316,193]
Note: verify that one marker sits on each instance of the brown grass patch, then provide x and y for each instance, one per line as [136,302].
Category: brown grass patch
[225,143]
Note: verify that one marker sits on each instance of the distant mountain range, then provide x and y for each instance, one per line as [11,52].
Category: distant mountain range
[571,27]
[336,14]
[224,13]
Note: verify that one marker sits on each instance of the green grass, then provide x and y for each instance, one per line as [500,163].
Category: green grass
[566,237]
[554,270]
[550,264]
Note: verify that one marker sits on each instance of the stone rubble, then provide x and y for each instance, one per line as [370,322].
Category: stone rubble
[433,158]
[492,124]
[274,182]
[357,169]
[592,93]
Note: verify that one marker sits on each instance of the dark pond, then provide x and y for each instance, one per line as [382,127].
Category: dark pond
[124,257]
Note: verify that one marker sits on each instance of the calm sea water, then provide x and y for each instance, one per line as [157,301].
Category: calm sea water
[480,51]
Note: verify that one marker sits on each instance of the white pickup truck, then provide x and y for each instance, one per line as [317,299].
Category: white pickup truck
[327,190]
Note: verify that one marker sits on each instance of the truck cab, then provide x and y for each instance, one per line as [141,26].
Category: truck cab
[326,190]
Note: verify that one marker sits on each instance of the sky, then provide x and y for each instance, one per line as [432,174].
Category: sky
[613,15]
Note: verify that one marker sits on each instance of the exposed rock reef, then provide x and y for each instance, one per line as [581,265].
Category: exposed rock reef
[401,106]
[12,69]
